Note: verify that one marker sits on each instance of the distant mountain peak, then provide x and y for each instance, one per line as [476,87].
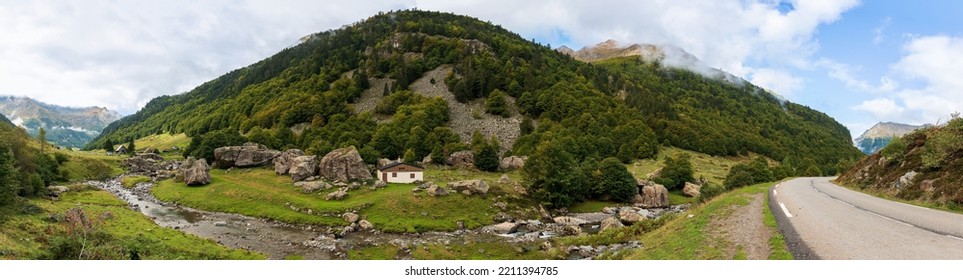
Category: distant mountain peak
[65,126]
[668,55]
[878,136]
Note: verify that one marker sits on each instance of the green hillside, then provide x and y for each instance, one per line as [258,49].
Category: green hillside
[920,167]
[315,85]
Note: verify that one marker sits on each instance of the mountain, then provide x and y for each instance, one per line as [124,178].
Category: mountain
[424,82]
[923,165]
[65,126]
[668,55]
[4,119]
[878,136]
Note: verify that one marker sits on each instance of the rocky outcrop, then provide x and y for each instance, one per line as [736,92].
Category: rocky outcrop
[629,216]
[303,167]
[384,162]
[905,180]
[504,179]
[469,187]
[56,190]
[196,172]
[344,164]
[282,163]
[312,186]
[247,155]
[610,223]
[512,163]
[351,217]
[691,189]
[148,164]
[652,195]
[569,221]
[337,195]
[435,190]
[463,159]
[505,228]
[365,225]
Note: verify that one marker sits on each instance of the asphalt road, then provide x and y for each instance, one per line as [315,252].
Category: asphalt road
[824,221]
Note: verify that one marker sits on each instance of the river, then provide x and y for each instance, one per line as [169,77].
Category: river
[279,240]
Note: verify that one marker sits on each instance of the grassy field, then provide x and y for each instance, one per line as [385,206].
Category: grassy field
[35,229]
[163,141]
[132,181]
[260,193]
[91,165]
[689,238]
[713,168]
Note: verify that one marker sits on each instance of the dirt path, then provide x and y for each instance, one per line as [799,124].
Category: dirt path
[744,230]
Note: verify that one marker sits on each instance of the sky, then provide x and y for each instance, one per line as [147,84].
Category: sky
[861,62]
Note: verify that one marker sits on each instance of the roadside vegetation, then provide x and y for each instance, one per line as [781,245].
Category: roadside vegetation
[691,238]
[920,168]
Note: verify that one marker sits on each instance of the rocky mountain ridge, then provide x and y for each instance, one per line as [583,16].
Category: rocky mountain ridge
[878,136]
[668,55]
[65,126]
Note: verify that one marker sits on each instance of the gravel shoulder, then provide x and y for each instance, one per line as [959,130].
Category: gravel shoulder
[743,231]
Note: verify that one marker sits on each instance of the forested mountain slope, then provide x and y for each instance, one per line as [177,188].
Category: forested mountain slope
[620,107]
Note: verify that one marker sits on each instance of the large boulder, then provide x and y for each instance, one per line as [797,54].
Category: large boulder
[610,223]
[196,172]
[57,190]
[337,195]
[312,186]
[384,162]
[145,163]
[469,187]
[905,180]
[247,155]
[629,216]
[351,217]
[652,195]
[365,225]
[505,228]
[282,163]
[344,164]
[512,163]
[691,189]
[435,190]
[464,159]
[303,167]
[569,221]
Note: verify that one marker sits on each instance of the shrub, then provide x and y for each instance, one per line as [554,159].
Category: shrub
[486,155]
[942,143]
[676,172]
[496,104]
[616,180]
[553,176]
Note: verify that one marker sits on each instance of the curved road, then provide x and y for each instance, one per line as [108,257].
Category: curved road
[833,222]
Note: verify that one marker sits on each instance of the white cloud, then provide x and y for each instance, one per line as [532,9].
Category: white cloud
[122,54]
[777,81]
[881,108]
[929,73]
[844,73]
[878,36]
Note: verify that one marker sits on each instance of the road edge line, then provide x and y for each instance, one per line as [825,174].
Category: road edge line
[799,249]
